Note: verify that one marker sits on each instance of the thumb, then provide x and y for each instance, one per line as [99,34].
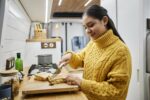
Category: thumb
[63,64]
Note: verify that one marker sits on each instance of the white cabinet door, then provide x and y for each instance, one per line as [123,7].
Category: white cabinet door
[129,29]
[125,14]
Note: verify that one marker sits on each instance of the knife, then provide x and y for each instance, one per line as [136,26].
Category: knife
[58,70]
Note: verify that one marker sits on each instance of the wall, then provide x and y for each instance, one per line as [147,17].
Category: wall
[75,29]
[58,29]
[33,49]
[111,6]
[15,31]
[67,30]
[147,5]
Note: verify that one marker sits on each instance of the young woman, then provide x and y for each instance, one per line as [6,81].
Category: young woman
[106,59]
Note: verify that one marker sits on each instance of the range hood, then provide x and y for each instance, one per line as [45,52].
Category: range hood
[68,14]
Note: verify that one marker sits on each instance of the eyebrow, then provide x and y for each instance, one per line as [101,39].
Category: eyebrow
[90,22]
[87,23]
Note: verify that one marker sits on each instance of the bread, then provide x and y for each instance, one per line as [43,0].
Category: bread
[56,81]
[42,76]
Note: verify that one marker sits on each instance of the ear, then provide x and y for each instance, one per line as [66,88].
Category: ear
[105,20]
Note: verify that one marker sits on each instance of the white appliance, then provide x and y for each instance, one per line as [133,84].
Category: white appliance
[148,61]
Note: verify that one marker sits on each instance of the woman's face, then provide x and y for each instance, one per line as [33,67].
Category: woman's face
[94,27]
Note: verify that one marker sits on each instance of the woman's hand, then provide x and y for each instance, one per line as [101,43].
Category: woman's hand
[65,59]
[73,80]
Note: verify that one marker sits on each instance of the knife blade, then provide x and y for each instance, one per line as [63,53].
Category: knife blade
[58,70]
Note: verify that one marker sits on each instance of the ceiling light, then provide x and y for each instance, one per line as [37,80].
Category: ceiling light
[57,26]
[87,3]
[46,12]
[60,2]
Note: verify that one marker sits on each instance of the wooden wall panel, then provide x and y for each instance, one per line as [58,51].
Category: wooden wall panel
[72,5]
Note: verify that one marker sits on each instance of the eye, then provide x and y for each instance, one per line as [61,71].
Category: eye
[91,25]
[85,27]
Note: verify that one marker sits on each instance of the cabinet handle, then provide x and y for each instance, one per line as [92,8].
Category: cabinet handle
[138,75]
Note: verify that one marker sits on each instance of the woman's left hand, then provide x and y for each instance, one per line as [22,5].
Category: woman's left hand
[73,80]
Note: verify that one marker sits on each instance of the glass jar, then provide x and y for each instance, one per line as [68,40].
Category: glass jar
[10,79]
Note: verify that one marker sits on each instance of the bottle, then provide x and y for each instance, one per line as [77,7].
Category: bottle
[19,63]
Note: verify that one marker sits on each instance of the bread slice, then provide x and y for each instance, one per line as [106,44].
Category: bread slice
[42,76]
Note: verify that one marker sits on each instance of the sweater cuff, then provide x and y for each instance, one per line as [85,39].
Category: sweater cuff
[85,85]
[72,60]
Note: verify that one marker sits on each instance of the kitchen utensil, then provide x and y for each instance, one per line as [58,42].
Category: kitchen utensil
[58,70]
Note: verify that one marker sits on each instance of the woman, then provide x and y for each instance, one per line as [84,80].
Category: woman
[106,59]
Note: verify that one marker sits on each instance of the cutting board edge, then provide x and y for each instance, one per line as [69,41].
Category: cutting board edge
[71,89]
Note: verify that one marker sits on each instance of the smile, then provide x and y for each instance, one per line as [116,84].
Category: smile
[92,34]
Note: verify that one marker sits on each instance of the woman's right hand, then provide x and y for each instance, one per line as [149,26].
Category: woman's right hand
[65,59]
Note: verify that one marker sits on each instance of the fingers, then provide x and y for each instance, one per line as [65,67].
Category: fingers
[71,80]
[63,63]
[71,83]
[65,58]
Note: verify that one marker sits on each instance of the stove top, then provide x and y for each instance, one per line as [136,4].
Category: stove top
[34,69]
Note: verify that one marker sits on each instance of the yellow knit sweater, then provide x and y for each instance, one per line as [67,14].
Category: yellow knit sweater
[107,68]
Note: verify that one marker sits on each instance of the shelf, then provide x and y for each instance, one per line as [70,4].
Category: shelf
[44,40]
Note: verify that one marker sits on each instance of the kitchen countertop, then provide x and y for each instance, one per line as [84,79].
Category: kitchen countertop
[51,96]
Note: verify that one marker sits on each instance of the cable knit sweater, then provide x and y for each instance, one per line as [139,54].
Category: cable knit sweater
[107,68]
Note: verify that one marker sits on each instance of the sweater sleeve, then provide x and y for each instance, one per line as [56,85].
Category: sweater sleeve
[77,59]
[117,80]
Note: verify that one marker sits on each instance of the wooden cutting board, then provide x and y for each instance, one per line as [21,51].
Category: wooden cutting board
[32,86]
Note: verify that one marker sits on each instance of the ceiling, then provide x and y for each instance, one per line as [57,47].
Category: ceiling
[68,8]
[36,9]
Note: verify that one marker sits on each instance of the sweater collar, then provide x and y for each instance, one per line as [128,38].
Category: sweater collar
[106,39]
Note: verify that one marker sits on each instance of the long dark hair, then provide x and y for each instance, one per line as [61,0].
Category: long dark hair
[99,12]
